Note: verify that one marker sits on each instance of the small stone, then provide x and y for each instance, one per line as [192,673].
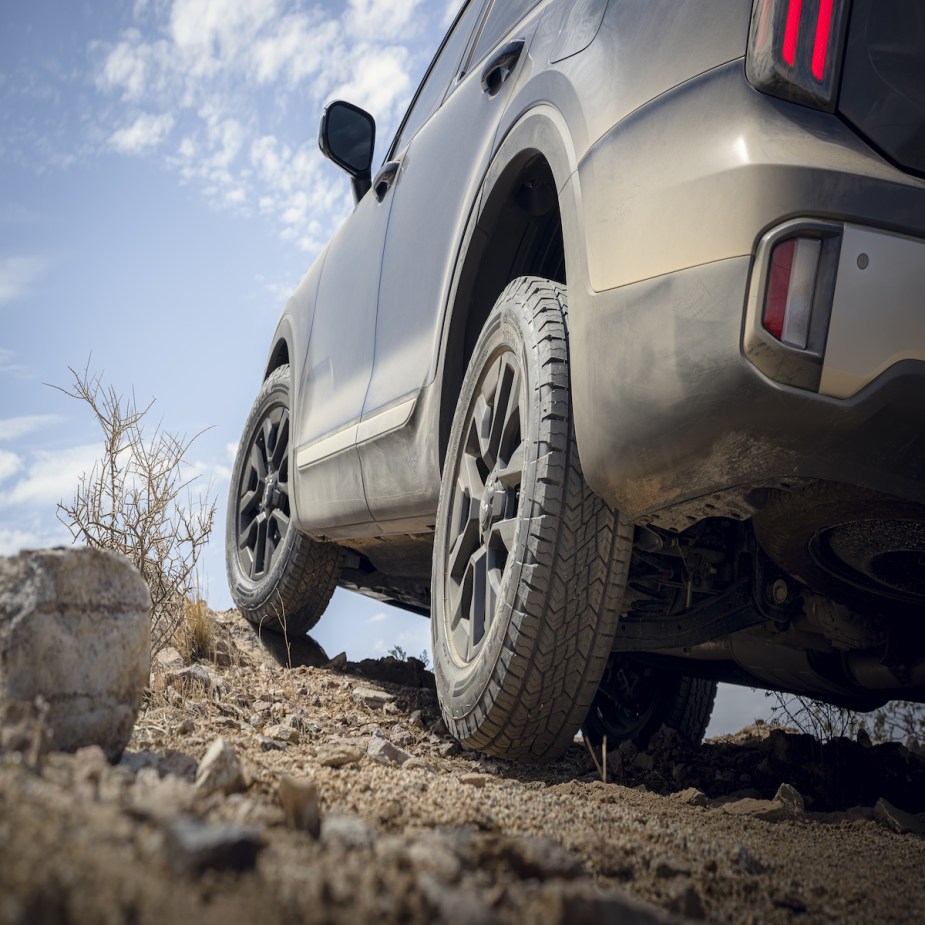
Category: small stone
[415,719]
[186,727]
[299,799]
[400,736]
[391,708]
[374,699]
[193,846]
[179,764]
[338,663]
[268,744]
[338,756]
[691,796]
[475,780]
[169,657]
[643,762]
[533,858]
[194,674]
[383,750]
[667,868]
[447,749]
[346,832]
[417,764]
[684,900]
[742,858]
[791,798]
[283,733]
[899,820]
[220,770]
[766,810]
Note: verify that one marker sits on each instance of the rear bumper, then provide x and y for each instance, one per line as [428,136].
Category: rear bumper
[669,410]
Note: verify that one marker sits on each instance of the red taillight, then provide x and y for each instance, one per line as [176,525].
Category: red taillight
[795,48]
[821,44]
[788,304]
[792,31]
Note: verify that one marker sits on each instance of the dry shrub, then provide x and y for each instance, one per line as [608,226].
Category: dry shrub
[137,500]
[196,637]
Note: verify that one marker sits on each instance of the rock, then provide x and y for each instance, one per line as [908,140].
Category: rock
[684,900]
[691,796]
[283,733]
[898,820]
[863,738]
[767,810]
[530,858]
[179,764]
[74,629]
[667,868]
[153,797]
[743,859]
[338,663]
[194,674]
[417,764]
[475,780]
[374,699]
[447,749]
[383,750]
[415,719]
[221,770]
[193,846]
[400,736]
[299,799]
[268,744]
[346,832]
[583,904]
[169,657]
[791,798]
[643,762]
[24,728]
[337,756]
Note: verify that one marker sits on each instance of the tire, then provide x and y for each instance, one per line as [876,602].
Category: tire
[635,700]
[529,565]
[280,579]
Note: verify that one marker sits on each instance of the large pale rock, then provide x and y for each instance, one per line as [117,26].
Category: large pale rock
[74,630]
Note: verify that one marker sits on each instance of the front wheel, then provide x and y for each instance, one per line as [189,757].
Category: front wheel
[279,578]
[529,564]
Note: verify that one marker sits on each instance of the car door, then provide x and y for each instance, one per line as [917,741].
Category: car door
[336,371]
[442,153]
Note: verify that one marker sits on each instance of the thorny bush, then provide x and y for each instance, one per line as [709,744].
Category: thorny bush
[137,500]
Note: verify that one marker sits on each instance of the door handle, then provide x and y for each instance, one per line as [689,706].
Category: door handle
[385,178]
[501,65]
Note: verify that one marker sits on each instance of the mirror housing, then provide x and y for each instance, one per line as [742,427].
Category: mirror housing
[347,137]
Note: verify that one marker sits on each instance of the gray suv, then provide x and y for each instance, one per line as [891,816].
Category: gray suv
[617,369]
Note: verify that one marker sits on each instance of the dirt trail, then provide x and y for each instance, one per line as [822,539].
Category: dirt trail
[339,798]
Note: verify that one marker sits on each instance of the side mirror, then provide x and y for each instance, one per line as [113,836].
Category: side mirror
[347,137]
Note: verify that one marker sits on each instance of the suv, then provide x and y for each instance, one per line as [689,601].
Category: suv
[617,369]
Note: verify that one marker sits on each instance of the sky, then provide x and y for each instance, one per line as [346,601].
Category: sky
[161,194]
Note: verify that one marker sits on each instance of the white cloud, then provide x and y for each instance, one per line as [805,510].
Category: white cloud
[243,82]
[51,476]
[13,428]
[377,618]
[147,131]
[10,464]
[18,275]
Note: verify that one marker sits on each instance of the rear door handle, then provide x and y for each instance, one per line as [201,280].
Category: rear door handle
[501,66]
[385,178]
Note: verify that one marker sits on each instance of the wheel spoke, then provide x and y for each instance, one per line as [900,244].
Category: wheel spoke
[260,546]
[511,474]
[247,538]
[250,499]
[505,530]
[281,444]
[506,396]
[258,461]
[478,609]
[281,519]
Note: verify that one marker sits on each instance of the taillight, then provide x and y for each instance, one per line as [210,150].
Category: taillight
[795,49]
[788,308]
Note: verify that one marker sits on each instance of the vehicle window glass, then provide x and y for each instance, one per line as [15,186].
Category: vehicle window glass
[443,69]
[501,19]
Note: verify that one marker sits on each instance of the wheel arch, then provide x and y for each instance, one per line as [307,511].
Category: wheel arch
[524,223]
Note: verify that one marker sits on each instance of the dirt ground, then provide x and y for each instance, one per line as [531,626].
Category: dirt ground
[337,796]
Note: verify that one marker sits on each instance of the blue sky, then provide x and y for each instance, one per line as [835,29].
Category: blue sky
[161,193]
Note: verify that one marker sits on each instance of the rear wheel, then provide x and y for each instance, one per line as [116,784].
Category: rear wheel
[279,578]
[529,564]
[635,700]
